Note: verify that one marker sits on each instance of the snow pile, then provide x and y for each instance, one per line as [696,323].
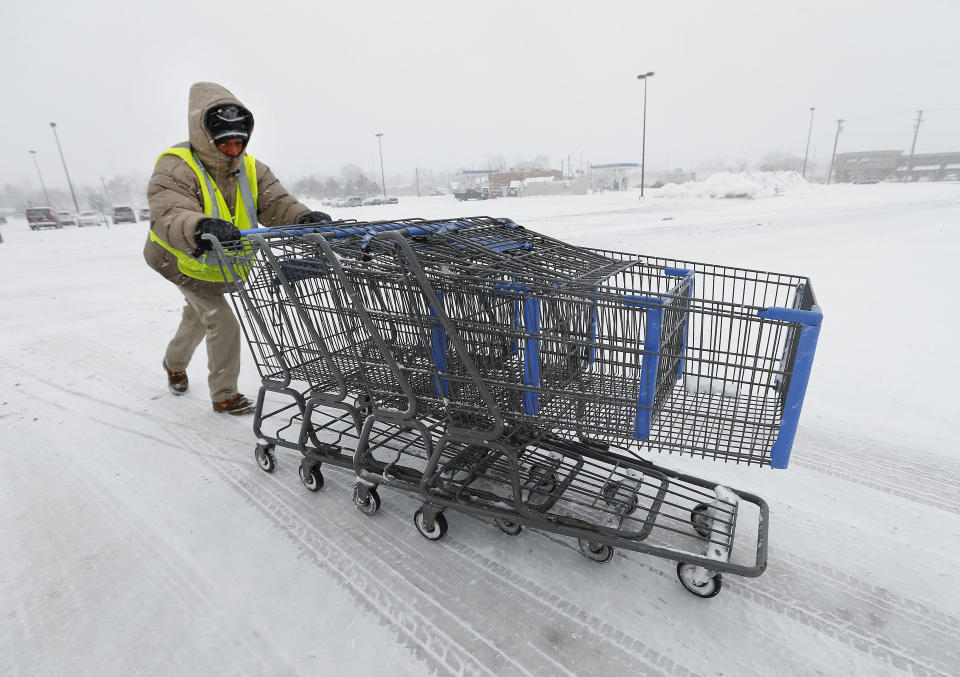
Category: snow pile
[698,385]
[735,185]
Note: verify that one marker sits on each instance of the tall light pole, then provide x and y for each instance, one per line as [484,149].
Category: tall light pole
[42,185]
[643,147]
[806,153]
[833,157]
[383,181]
[53,126]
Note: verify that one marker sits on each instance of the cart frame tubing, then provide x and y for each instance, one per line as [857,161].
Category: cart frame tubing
[306,406]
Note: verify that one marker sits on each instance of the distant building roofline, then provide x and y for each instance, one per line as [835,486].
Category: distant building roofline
[616,165]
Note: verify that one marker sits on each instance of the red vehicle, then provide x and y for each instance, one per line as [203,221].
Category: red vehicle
[42,217]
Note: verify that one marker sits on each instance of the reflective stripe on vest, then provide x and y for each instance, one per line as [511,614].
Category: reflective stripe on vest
[243,216]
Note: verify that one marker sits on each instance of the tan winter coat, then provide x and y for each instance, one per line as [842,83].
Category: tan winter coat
[176,201]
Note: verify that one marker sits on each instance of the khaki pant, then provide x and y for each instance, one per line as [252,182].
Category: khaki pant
[210,316]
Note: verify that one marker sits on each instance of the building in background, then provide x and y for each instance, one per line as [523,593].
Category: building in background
[892,165]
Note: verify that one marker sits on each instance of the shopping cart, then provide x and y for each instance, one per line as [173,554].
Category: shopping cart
[508,375]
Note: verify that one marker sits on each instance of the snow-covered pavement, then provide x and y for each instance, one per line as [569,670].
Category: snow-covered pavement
[137,535]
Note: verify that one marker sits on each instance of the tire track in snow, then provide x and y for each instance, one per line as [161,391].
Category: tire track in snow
[466,620]
[921,478]
[186,582]
[153,561]
[848,630]
[873,620]
[554,613]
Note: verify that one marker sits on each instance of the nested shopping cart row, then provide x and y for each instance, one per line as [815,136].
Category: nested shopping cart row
[498,372]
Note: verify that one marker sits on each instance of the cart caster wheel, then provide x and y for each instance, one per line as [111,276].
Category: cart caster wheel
[364,406]
[601,553]
[439,526]
[610,493]
[544,479]
[311,477]
[700,519]
[371,505]
[710,588]
[264,456]
[508,526]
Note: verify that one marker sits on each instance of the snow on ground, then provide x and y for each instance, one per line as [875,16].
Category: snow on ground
[138,537]
[735,185]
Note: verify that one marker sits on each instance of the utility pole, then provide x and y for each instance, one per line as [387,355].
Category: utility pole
[806,153]
[833,157]
[53,126]
[417,171]
[106,193]
[37,164]
[913,146]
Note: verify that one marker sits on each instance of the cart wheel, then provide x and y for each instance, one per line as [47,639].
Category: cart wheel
[711,588]
[544,478]
[311,477]
[508,526]
[610,493]
[363,405]
[264,456]
[371,505]
[439,527]
[700,519]
[601,553]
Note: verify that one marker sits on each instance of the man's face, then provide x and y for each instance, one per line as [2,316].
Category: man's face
[231,147]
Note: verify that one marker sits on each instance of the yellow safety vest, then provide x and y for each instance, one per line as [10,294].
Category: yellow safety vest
[243,215]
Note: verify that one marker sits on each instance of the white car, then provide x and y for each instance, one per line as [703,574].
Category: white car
[66,219]
[89,219]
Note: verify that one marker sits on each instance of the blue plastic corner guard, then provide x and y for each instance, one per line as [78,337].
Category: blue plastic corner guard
[531,354]
[649,365]
[438,346]
[802,365]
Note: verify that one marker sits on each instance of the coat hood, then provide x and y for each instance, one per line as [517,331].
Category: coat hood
[203,97]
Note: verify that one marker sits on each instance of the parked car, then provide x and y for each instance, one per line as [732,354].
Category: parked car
[124,215]
[3,220]
[372,200]
[473,194]
[66,219]
[144,214]
[390,200]
[353,201]
[42,217]
[88,219]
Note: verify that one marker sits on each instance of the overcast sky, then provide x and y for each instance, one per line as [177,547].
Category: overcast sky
[451,83]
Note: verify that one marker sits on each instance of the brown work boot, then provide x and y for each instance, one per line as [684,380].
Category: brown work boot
[238,405]
[176,380]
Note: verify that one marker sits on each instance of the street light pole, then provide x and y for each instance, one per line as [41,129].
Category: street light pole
[643,147]
[42,185]
[53,126]
[806,153]
[383,181]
